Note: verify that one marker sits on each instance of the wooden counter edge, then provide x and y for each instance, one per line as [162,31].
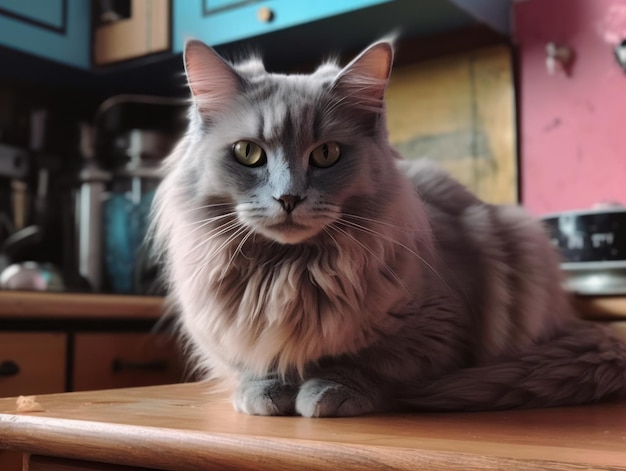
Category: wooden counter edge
[27,304]
[180,450]
[24,304]
[608,308]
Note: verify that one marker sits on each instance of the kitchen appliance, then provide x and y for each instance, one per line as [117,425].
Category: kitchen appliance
[127,211]
[32,276]
[134,133]
[592,244]
[93,180]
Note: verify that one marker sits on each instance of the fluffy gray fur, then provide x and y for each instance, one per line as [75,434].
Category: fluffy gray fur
[386,285]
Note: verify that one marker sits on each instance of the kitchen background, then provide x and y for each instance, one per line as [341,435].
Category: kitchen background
[519,106]
[92,98]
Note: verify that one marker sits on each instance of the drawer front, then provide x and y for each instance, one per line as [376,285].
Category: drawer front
[32,363]
[11,460]
[121,360]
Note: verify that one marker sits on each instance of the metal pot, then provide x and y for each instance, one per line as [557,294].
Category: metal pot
[592,244]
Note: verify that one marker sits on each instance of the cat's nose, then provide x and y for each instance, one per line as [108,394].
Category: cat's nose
[289,202]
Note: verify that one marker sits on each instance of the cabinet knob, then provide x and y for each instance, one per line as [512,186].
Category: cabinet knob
[265,14]
[9,368]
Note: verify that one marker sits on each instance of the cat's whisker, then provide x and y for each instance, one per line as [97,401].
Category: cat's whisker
[385,223]
[251,210]
[224,244]
[205,222]
[206,206]
[214,217]
[219,249]
[327,231]
[373,254]
[382,236]
[322,217]
[232,257]
[224,228]
[399,244]
[337,210]
[253,213]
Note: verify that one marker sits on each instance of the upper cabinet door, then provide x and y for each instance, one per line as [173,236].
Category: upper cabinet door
[222,21]
[58,30]
[138,29]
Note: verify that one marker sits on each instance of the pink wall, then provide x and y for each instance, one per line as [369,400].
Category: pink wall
[572,129]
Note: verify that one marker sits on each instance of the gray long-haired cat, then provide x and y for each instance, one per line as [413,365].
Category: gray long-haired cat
[329,277]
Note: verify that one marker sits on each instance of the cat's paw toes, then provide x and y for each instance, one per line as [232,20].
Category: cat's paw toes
[265,397]
[325,398]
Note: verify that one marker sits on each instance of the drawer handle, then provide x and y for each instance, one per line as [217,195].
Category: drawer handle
[122,365]
[9,368]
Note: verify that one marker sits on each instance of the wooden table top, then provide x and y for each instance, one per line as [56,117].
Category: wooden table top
[183,427]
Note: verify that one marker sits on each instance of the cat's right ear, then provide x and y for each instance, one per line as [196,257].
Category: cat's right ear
[365,78]
[213,82]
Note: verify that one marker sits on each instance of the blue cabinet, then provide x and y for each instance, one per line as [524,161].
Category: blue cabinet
[60,30]
[222,21]
[57,30]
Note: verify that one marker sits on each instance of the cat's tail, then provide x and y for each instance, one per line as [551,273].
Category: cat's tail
[586,363]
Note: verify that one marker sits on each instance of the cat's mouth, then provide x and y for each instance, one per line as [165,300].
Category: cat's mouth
[288,226]
[289,232]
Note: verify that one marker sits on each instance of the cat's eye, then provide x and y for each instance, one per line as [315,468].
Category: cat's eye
[325,155]
[249,154]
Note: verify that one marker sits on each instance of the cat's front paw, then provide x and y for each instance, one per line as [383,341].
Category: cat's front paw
[265,397]
[326,398]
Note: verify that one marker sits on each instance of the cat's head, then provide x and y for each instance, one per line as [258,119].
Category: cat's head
[291,153]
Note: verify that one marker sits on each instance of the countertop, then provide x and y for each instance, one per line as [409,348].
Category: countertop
[25,304]
[41,305]
[184,427]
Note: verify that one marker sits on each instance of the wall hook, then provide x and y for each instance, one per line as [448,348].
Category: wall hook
[559,59]
[620,54]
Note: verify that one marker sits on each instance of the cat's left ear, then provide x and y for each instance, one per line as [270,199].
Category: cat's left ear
[366,77]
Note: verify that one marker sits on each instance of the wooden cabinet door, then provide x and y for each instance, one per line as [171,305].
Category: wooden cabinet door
[120,360]
[145,31]
[469,128]
[58,30]
[32,363]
